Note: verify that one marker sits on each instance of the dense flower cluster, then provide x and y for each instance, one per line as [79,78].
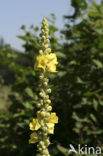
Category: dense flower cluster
[44,123]
[46,62]
[35,125]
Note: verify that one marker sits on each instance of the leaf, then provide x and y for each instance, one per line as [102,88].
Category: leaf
[29,92]
[23,38]
[27,105]
[79,80]
[98,63]
[95,104]
[72,62]
[101,102]
[61,74]
[60,55]
[80,119]
[93,117]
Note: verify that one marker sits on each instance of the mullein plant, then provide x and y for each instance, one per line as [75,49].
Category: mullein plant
[44,123]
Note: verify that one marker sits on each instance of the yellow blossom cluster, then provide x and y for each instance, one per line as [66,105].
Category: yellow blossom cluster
[46,62]
[35,125]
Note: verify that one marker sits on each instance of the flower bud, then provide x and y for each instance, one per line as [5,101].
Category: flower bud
[47,114]
[48,101]
[41,94]
[45,133]
[40,52]
[47,142]
[43,37]
[42,30]
[38,113]
[45,129]
[49,108]
[41,101]
[46,80]
[40,149]
[41,143]
[47,41]
[46,46]
[45,83]
[46,97]
[43,147]
[38,105]
[42,113]
[41,77]
[48,90]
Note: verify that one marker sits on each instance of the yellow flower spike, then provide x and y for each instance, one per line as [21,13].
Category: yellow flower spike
[45,122]
[34,125]
[53,118]
[50,128]
[33,138]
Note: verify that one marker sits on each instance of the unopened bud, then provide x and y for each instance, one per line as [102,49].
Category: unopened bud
[48,114]
[47,142]
[45,83]
[48,101]
[41,94]
[40,52]
[42,114]
[41,101]
[46,46]
[48,90]
[38,105]
[49,108]
[43,147]
[47,41]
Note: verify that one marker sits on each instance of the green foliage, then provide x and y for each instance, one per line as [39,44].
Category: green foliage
[77,89]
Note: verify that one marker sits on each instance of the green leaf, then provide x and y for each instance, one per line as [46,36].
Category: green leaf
[60,55]
[29,92]
[93,117]
[101,102]
[27,105]
[79,80]
[95,104]
[98,63]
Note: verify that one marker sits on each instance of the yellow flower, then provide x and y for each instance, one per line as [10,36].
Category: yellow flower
[51,67]
[53,118]
[50,128]
[47,62]
[33,138]
[41,62]
[34,125]
[52,58]
[52,61]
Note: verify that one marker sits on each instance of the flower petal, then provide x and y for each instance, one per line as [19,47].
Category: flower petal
[50,128]
[53,118]
[34,125]
[33,138]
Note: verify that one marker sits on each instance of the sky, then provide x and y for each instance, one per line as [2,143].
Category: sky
[14,13]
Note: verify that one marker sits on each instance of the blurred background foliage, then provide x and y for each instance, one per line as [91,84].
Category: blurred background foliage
[77,88]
